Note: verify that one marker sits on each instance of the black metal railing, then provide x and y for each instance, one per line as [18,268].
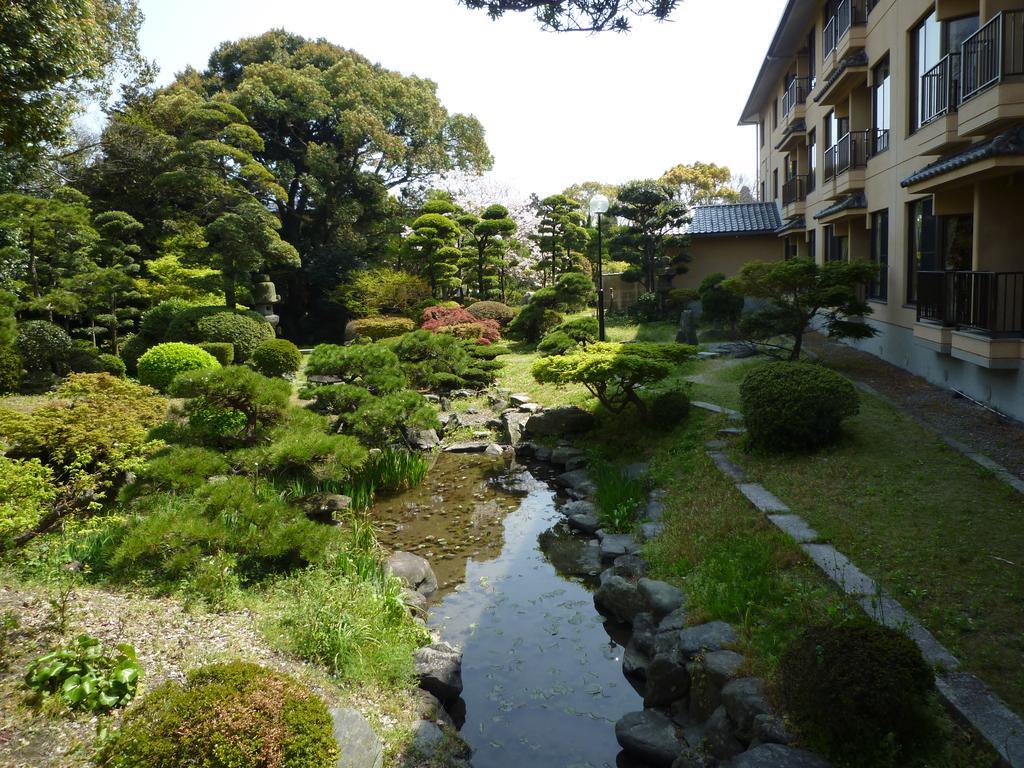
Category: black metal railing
[879,141]
[794,190]
[994,52]
[796,94]
[829,37]
[940,88]
[991,303]
[849,14]
[852,151]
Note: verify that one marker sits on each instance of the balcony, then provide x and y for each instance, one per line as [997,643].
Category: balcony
[794,193]
[794,98]
[845,162]
[991,83]
[845,31]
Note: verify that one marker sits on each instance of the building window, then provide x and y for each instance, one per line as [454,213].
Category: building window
[812,62]
[812,245]
[837,247]
[921,254]
[775,114]
[812,161]
[775,184]
[791,247]
[882,94]
[879,286]
[925,52]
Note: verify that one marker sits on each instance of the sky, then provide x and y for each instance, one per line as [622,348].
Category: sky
[557,108]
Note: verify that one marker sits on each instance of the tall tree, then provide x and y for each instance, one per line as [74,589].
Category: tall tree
[432,246]
[580,15]
[488,236]
[701,184]
[561,234]
[651,240]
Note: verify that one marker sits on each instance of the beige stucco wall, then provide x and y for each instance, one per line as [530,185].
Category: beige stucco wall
[726,254]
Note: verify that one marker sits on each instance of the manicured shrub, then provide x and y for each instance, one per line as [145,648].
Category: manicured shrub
[459,322]
[861,693]
[84,357]
[132,349]
[444,362]
[646,308]
[10,370]
[556,343]
[113,365]
[277,357]
[161,364]
[156,322]
[235,715]
[533,322]
[222,350]
[796,406]
[380,421]
[27,492]
[374,367]
[244,332]
[582,329]
[379,327]
[43,347]
[665,410]
[492,310]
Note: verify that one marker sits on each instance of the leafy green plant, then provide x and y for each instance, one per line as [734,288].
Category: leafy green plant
[10,370]
[159,366]
[379,327]
[393,471]
[234,715]
[646,308]
[43,346]
[796,406]
[222,350]
[277,357]
[619,496]
[735,578]
[85,677]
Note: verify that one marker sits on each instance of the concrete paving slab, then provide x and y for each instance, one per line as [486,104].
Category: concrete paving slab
[796,527]
[986,713]
[762,498]
[847,576]
[888,612]
[728,467]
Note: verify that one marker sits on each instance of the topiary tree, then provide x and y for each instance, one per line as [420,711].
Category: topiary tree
[650,241]
[379,327]
[800,290]
[533,322]
[373,367]
[236,714]
[222,350]
[10,370]
[44,347]
[861,693]
[277,357]
[159,366]
[796,406]
[260,401]
[243,332]
[556,343]
[719,305]
[614,373]
[492,310]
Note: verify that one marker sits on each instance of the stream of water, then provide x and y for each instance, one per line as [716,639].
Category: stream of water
[543,678]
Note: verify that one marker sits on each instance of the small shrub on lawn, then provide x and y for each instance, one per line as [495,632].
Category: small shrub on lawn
[43,347]
[85,677]
[235,715]
[379,327]
[619,496]
[556,343]
[222,350]
[259,401]
[796,406]
[492,310]
[443,362]
[10,370]
[303,448]
[245,332]
[277,357]
[113,365]
[156,322]
[861,692]
[533,322]
[665,410]
[159,366]
[646,309]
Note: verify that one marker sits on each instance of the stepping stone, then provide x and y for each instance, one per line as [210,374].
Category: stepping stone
[728,467]
[707,355]
[650,531]
[732,431]
[987,713]
[468,446]
[796,527]
[762,498]
[847,576]
[717,409]
[716,445]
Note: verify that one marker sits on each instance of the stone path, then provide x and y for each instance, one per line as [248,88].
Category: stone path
[964,692]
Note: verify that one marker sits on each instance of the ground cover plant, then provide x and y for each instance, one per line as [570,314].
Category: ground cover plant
[86,678]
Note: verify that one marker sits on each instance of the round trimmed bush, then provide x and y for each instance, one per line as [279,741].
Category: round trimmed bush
[156,322]
[665,410]
[379,327]
[243,332]
[235,715]
[556,343]
[860,692]
[161,364]
[84,357]
[43,346]
[796,406]
[222,350]
[113,365]
[10,370]
[276,357]
[492,310]
[132,349]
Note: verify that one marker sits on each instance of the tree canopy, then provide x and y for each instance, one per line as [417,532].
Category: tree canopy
[580,15]
[651,240]
[701,184]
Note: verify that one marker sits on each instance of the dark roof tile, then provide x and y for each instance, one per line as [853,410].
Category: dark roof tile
[848,203]
[1007,143]
[737,219]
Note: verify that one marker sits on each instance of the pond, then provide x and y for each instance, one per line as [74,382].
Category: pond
[542,675]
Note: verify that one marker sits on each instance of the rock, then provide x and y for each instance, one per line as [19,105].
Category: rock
[636,471]
[716,445]
[674,622]
[428,707]
[462,393]
[542,453]
[662,598]
[560,421]
[642,638]
[777,756]
[360,747]
[427,738]
[655,511]
[494,450]
[529,408]
[578,508]
[422,439]
[705,696]
[650,736]
[713,636]
[690,758]
[649,531]
[467,446]
[634,663]
[577,462]
[523,450]
[614,545]
[588,524]
[563,454]
[618,599]
[513,426]
[439,667]
[629,566]
[578,480]
[719,736]
[667,680]
[744,700]
[481,434]
[413,571]
[722,666]
[519,399]
[415,601]
[769,729]
[446,404]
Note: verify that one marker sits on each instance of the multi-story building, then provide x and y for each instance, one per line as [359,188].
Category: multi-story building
[893,130]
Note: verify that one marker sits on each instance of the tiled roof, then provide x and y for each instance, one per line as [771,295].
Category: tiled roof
[799,126]
[850,202]
[858,59]
[792,225]
[1006,144]
[736,219]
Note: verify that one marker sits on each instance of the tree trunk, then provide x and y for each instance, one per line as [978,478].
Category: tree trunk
[798,343]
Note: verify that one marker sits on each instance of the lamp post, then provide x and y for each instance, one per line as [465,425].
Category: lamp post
[599,205]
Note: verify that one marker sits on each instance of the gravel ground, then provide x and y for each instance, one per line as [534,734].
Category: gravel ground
[999,438]
[169,640]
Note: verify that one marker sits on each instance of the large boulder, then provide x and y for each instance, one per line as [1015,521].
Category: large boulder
[359,746]
[513,425]
[422,439]
[618,599]
[614,545]
[776,756]
[662,598]
[560,421]
[720,736]
[439,668]
[744,700]
[668,680]
[650,736]
[413,571]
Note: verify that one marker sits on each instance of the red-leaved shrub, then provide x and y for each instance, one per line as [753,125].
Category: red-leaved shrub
[458,322]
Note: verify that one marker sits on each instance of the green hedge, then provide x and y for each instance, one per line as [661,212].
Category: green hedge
[235,715]
[380,327]
[222,350]
[796,406]
[243,332]
[277,357]
[43,347]
[161,364]
[10,370]
[492,310]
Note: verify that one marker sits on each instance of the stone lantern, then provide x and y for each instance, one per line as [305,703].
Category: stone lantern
[264,296]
